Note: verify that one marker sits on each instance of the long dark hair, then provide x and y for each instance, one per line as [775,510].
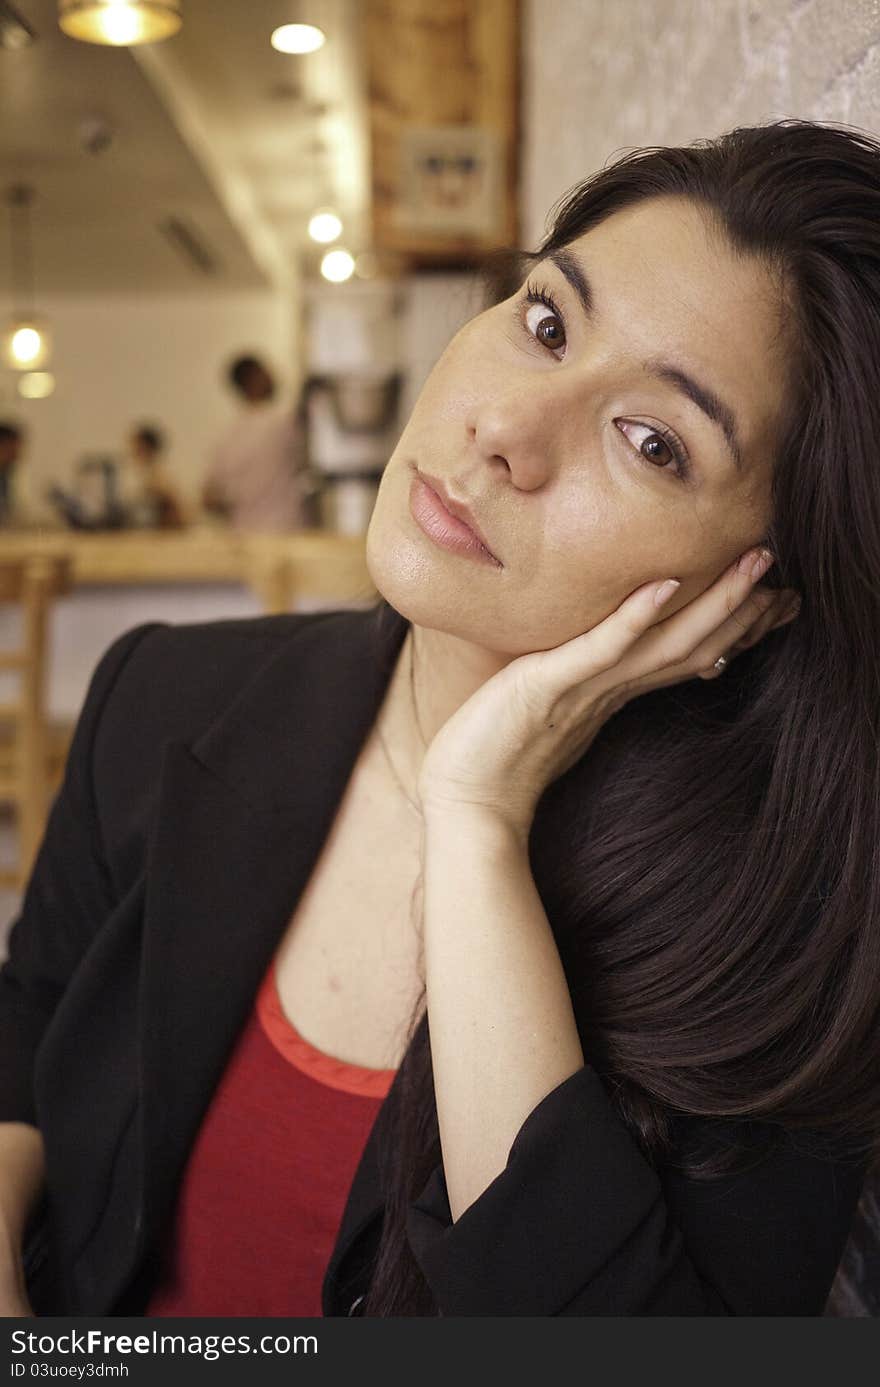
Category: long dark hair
[711,867]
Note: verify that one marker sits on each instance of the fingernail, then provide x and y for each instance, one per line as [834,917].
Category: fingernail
[665,591]
[760,564]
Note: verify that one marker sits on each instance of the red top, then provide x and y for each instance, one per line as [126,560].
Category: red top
[263,1192]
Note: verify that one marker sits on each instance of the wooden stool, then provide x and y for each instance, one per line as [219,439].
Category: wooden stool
[26,775]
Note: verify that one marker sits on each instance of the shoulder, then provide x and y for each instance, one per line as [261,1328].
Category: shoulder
[159,685]
[164,683]
[174,681]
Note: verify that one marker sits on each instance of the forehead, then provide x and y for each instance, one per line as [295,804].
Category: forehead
[667,282]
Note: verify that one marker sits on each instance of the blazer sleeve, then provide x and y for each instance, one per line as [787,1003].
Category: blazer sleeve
[68,896]
[581,1223]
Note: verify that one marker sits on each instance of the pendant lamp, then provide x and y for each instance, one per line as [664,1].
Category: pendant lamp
[25,344]
[122,23]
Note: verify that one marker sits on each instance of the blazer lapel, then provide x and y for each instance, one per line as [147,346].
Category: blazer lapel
[242,816]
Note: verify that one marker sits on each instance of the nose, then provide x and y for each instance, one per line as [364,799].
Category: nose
[517,430]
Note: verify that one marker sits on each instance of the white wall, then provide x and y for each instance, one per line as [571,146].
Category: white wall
[123,359]
[436,306]
[377,327]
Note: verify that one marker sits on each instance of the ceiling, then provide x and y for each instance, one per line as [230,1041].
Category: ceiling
[186,164]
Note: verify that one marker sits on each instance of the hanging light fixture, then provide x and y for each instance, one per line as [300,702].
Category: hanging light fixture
[122,23]
[25,344]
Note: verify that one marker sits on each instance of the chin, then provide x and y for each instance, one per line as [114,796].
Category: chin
[407,575]
[403,574]
[444,593]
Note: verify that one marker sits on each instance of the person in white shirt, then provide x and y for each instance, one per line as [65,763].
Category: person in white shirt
[256,476]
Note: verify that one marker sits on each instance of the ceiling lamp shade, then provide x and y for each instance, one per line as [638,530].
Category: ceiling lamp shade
[121,23]
[25,344]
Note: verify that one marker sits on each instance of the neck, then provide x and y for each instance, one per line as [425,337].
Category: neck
[435,674]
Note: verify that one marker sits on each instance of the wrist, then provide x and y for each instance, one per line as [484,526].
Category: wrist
[475,825]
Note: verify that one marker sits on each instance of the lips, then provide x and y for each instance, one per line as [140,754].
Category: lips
[459,509]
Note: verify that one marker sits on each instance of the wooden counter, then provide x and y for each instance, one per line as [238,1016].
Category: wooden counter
[280,569]
[206,573]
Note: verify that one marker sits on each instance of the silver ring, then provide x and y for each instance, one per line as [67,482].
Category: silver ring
[720,663]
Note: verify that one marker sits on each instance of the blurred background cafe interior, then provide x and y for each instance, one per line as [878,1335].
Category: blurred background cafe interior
[228,260]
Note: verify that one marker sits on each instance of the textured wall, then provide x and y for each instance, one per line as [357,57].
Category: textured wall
[603,75]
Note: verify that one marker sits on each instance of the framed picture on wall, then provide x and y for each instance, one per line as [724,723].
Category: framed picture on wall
[450,182]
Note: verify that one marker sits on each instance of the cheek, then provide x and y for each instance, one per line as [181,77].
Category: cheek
[593,556]
[611,531]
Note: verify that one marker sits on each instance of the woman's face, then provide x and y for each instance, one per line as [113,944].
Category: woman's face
[613,422]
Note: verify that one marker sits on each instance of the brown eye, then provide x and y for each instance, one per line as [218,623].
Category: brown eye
[656,449]
[546,326]
[658,452]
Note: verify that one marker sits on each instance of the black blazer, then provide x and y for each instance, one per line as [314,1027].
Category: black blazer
[204,776]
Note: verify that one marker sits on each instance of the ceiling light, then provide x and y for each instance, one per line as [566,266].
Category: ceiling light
[298,38]
[36,385]
[337,266]
[119,22]
[324,227]
[25,345]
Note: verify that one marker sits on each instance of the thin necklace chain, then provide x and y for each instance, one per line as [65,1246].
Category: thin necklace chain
[391,766]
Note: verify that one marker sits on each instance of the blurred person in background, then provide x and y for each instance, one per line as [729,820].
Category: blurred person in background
[151,499]
[11,441]
[256,476]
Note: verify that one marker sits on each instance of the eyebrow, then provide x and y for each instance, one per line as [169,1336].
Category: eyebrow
[705,399]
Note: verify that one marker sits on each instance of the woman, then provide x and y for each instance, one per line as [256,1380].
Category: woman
[636,903]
